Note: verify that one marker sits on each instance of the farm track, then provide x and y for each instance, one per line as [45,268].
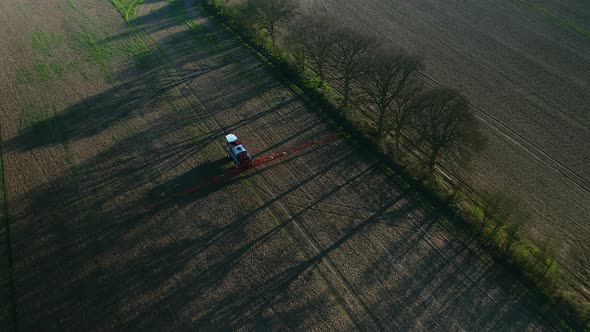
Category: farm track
[319,240]
[519,72]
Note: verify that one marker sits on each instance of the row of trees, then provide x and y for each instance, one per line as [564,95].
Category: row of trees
[380,80]
[380,83]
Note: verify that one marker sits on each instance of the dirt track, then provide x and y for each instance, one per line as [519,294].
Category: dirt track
[527,77]
[319,240]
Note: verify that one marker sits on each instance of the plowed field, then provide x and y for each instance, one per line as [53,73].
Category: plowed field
[101,118]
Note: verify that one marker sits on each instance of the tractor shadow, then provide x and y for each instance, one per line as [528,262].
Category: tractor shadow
[184,183]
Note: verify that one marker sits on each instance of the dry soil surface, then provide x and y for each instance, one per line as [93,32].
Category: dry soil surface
[100,120]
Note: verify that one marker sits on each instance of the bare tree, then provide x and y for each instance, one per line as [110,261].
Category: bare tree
[493,204]
[545,266]
[506,213]
[445,125]
[384,74]
[315,36]
[295,39]
[349,52]
[514,228]
[406,89]
[268,13]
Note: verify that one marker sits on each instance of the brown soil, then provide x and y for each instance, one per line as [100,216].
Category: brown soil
[320,240]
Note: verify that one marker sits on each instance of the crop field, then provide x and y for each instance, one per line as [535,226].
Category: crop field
[108,107]
[523,64]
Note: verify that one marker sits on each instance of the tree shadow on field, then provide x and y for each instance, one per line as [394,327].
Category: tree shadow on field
[257,302]
[93,115]
[154,81]
[71,223]
[234,311]
[86,250]
[83,235]
[446,285]
[89,256]
[219,270]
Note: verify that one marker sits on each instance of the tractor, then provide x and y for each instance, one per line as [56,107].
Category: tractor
[237,152]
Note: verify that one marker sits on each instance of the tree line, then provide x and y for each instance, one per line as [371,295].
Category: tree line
[378,79]
[377,85]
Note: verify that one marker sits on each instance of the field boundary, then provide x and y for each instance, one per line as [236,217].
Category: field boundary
[6,224]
